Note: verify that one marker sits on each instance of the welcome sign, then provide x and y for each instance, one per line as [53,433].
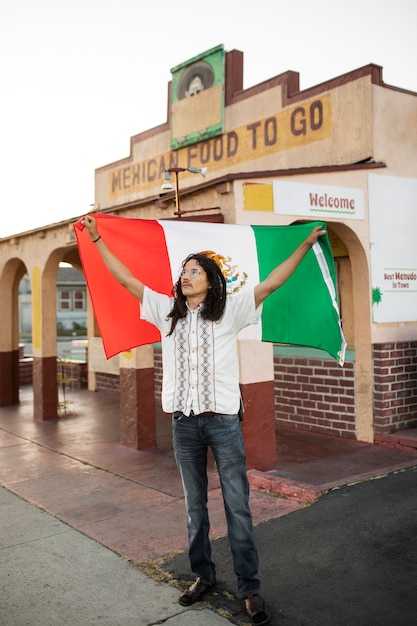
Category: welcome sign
[318,201]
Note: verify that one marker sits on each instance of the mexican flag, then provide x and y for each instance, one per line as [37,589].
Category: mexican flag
[303,311]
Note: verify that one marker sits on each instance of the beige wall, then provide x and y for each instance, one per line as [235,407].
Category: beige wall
[395,130]
[328,128]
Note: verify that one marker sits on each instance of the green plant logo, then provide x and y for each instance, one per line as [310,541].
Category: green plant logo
[376,295]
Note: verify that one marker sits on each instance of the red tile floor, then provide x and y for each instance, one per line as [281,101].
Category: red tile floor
[131,501]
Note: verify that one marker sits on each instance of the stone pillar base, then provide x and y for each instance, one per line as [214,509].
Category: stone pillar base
[45,388]
[259,425]
[9,378]
[137,408]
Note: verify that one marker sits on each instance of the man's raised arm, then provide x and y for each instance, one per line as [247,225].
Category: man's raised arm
[120,272]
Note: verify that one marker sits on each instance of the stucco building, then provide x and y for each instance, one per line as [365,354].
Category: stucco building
[344,152]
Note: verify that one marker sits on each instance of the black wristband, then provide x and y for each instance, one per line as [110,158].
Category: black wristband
[95,240]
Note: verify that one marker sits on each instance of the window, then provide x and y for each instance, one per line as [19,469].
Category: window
[71,300]
[79,300]
[64,300]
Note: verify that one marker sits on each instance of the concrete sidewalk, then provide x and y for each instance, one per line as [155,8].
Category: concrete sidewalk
[52,574]
[118,513]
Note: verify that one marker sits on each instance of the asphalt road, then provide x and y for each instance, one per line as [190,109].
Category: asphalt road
[350,559]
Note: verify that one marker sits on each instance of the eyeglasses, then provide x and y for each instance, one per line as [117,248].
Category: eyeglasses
[193,272]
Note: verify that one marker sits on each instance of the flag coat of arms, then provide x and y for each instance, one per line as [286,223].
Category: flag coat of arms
[303,311]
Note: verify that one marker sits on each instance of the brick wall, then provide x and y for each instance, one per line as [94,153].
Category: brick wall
[395,386]
[158,373]
[311,394]
[108,382]
[315,394]
[111,382]
[72,372]
[319,395]
[25,371]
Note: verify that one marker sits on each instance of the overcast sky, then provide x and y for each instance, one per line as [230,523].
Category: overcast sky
[80,77]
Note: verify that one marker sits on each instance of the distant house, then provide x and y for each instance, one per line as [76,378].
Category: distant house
[71,302]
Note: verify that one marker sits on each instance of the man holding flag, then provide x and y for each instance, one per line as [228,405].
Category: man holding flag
[199,327]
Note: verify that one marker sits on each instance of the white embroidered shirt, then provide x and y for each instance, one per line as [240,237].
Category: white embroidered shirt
[200,360]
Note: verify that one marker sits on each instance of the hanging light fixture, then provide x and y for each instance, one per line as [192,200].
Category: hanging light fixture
[167,185]
[197,170]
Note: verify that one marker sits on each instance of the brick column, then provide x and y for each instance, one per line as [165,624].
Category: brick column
[9,378]
[257,387]
[45,388]
[137,398]
[45,383]
[395,386]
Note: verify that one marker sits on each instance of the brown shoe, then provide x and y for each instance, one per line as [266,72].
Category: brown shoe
[194,593]
[256,609]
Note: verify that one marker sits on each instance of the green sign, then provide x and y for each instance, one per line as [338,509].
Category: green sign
[197,98]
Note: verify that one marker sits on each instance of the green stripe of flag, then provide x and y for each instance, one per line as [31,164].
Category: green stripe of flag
[304,310]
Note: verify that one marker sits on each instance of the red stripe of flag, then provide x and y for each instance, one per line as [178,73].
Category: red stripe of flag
[140,245]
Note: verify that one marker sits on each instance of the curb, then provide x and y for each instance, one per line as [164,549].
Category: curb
[294,490]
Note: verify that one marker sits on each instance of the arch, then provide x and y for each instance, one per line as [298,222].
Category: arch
[358,306]
[12,273]
[45,384]
[361,310]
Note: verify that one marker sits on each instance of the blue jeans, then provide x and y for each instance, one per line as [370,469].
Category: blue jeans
[223,434]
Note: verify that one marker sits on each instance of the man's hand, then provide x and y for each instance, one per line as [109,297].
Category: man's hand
[121,273]
[90,223]
[317,232]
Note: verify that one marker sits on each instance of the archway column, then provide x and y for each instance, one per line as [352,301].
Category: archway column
[257,388]
[45,388]
[45,383]
[9,349]
[137,398]
[9,378]
[362,339]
